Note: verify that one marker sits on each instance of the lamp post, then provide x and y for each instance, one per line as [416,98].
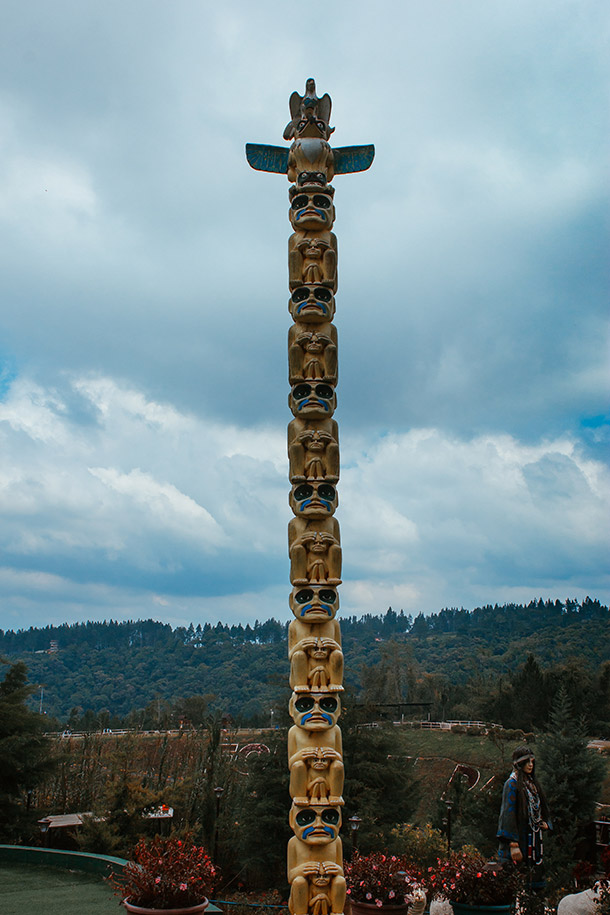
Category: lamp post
[218,791]
[447,824]
[355,822]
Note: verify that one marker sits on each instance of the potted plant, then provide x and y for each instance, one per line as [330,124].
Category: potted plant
[383,881]
[473,885]
[171,876]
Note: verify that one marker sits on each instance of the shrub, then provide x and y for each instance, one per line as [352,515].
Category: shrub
[166,874]
[421,845]
[467,877]
[380,879]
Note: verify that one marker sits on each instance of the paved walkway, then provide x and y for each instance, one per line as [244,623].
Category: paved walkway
[25,888]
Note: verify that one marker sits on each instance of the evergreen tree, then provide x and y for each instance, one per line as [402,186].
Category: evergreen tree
[529,681]
[25,760]
[571,776]
[262,822]
[378,788]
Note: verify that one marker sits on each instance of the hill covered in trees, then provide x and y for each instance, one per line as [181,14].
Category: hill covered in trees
[502,663]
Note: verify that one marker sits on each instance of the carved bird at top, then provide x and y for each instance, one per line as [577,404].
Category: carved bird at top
[310,114]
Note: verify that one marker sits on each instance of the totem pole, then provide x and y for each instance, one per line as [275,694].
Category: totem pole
[315,758]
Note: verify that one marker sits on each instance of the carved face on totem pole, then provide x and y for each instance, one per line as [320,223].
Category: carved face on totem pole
[312,304]
[311,179]
[316,499]
[315,825]
[315,711]
[313,449]
[312,400]
[312,353]
[314,604]
[312,208]
[312,259]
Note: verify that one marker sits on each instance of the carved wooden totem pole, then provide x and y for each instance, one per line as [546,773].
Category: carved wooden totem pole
[315,759]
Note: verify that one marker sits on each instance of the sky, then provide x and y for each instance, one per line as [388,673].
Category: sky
[143,308]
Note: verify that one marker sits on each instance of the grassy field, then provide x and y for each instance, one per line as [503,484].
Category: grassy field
[462,748]
[52,891]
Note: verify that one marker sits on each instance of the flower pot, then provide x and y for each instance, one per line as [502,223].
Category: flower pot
[183,910]
[464,908]
[369,908]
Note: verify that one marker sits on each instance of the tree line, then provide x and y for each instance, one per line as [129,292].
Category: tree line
[455,663]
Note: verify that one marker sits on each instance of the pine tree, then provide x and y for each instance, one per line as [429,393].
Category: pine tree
[25,760]
[262,824]
[379,787]
[571,776]
[530,682]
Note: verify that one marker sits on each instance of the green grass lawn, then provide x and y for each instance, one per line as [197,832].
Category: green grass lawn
[475,751]
[26,888]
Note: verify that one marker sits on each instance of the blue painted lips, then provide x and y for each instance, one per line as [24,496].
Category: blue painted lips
[312,401]
[326,829]
[309,715]
[309,607]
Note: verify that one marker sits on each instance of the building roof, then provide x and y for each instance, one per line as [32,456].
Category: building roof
[64,819]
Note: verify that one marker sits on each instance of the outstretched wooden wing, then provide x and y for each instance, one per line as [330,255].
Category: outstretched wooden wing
[267,158]
[348,159]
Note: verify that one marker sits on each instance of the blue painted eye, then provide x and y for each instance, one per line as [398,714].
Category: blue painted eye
[326,491]
[304,704]
[329,704]
[302,390]
[305,817]
[325,595]
[324,391]
[305,595]
[330,816]
[304,491]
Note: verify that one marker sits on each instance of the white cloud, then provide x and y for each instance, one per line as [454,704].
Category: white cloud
[427,519]
[486,509]
[165,505]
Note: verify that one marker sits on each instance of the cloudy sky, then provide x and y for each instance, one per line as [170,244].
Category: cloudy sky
[143,316]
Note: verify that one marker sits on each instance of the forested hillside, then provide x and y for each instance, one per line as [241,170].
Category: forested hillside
[464,663]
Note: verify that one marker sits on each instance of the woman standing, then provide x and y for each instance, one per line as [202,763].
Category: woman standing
[524,816]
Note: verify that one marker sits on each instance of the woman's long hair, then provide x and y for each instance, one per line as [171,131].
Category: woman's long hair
[520,756]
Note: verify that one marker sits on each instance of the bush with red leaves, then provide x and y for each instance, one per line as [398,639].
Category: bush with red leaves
[381,879]
[468,878]
[166,874]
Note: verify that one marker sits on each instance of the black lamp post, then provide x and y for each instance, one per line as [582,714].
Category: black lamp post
[355,822]
[447,824]
[218,791]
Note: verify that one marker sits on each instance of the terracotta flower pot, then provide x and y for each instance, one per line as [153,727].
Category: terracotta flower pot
[183,910]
